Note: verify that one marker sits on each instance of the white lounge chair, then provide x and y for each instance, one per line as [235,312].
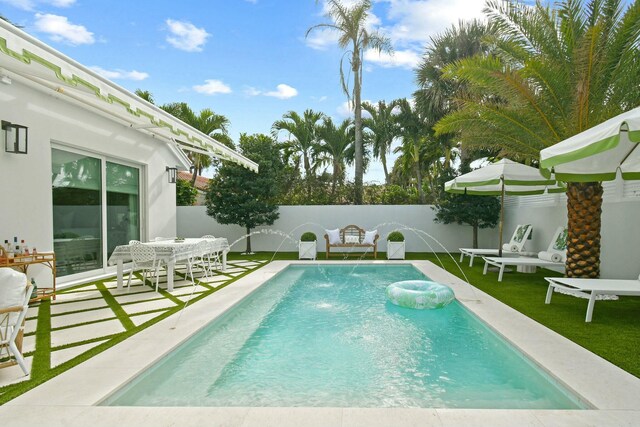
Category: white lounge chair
[515,245]
[15,293]
[593,287]
[554,256]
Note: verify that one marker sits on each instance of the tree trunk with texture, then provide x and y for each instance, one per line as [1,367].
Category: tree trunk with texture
[584,209]
[358,124]
[248,240]
[475,236]
[383,160]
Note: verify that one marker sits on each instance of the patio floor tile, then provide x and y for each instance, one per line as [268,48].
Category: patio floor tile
[60,356]
[147,306]
[85,332]
[57,308]
[82,317]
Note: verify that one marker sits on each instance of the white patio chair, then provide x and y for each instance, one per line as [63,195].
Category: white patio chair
[15,293]
[515,245]
[135,242]
[144,258]
[554,256]
[201,258]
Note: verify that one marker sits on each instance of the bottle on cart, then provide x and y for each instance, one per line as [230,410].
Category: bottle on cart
[16,247]
[34,291]
[24,247]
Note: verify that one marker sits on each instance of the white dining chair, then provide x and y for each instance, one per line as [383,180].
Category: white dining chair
[144,258]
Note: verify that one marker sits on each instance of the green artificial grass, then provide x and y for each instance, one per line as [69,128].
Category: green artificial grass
[613,334]
[41,370]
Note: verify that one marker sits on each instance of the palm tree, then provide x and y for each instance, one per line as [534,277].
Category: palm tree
[303,136]
[335,148]
[206,121]
[146,95]
[350,22]
[383,128]
[416,142]
[437,96]
[555,72]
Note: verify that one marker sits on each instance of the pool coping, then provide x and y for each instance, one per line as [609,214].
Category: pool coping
[70,398]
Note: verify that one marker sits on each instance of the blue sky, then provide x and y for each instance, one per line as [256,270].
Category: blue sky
[246,59]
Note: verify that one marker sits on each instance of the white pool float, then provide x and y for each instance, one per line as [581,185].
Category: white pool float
[419,294]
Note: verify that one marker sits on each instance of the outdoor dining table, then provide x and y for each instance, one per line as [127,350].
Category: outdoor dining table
[169,252]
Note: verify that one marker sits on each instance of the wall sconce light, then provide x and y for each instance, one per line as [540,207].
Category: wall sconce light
[172,174]
[15,138]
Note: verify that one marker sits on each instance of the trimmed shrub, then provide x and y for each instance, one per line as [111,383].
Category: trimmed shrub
[308,237]
[395,236]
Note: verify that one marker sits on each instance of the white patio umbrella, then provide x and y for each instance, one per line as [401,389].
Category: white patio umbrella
[504,177]
[598,153]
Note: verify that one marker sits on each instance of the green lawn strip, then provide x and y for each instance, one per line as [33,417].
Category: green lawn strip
[613,334]
[41,374]
[115,306]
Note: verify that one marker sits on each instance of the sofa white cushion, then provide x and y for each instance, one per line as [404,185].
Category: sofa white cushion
[369,237]
[334,236]
[13,286]
[351,239]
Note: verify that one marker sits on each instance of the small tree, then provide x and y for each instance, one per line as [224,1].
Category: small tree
[185,193]
[239,196]
[476,211]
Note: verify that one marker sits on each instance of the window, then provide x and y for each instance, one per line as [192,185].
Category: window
[92,199]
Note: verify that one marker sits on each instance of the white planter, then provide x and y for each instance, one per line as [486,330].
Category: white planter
[395,250]
[307,250]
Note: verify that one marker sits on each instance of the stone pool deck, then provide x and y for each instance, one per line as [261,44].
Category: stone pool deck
[71,398]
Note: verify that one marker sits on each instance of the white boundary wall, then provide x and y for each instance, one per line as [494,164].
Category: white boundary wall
[620,230]
[295,220]
[620,226]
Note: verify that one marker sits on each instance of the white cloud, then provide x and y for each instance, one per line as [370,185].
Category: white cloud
[61,30]
[345,109]
[399,58]
[30,4]
[121,74]
[186,36]
[212,87]
[409,24]
[251,91]
[322,39]
[417,21]
[251,1]
[61,3]
[283,91]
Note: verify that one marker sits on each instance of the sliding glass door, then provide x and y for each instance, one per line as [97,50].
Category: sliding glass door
[95,201]
[123,205]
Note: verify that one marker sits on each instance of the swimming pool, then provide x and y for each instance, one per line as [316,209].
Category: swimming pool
[326,336]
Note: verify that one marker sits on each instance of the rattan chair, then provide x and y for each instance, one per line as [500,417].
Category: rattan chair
[15,293]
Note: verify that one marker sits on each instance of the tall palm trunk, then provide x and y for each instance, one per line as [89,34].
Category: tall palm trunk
[334,178]
[358,125]
[307,171]
[584,208]
[419,183]
[383,160]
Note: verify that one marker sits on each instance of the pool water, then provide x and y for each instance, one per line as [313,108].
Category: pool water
[326,336]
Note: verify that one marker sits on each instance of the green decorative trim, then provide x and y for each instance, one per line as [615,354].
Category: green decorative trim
[631,176]
[592,149]
[27,57]
[472,192]
[589,177]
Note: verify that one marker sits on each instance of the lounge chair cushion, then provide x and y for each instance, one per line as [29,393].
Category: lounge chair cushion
[12,290]
[334,236]
[351,239]
[369,237]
